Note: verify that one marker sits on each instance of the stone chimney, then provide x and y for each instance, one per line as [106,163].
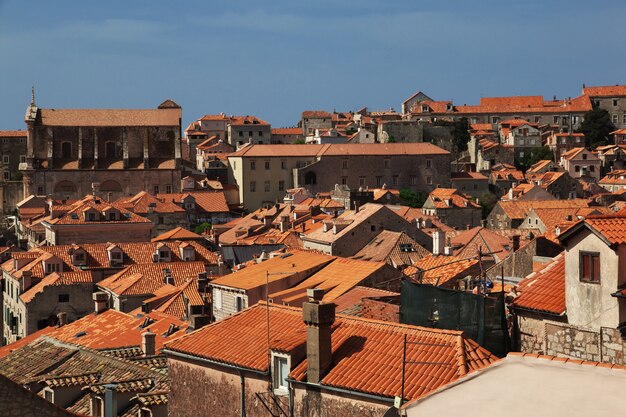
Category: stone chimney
[110,400]
[62,318]
[318,318]
[439,242]
[148,343]
[202,282]
[100,300]
[515,239]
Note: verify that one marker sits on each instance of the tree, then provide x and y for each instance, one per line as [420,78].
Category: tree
[487,201]
[391,139]
[411,198]
[201,228]
[535,155]
[460,133]
[596,126]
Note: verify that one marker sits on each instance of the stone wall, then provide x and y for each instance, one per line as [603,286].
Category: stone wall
[309,402]
[11,193]
[17,401]
[551,337]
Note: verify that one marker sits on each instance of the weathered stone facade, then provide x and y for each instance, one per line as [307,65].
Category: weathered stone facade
[126,151]
[400,131]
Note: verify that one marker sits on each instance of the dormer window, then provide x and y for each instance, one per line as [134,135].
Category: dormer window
[163,253]
[425,108]
[79,257]
[187,252]
[280,370]
[449,107]
[91,217]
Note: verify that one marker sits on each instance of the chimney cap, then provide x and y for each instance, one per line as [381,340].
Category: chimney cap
[315,294]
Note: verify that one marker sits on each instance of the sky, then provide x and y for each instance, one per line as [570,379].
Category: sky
[274,59]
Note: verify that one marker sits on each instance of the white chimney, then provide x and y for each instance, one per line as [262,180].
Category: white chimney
[439,241]
[148,343]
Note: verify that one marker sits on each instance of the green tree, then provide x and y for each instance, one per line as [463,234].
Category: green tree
[596,126]
[411,198]
[299,142]
[202,227]
[460,133]
[535,155]
[487,201]
[391,139]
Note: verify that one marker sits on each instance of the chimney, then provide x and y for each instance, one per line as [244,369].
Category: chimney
[148,343]
[110,400]
[318,318]
[356,207]
[100,299]
[202,281]
[168,279]
[439,242]
[62,318]
[109,196]
[515,239]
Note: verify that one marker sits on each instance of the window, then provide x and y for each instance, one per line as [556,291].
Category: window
[429,180]
[6,175]
[379,181]
[155,189]
[40,190]
[387,163]
[97,407]
[577,168]
[494,119]
[250,133]
[615,103]
[145,413]
[590,267]
[23,157]
[260,133]
[394,180]
[267,165]
[281,185]
[537,119]
[91,217]
[413,180]
[5,159]
[429,163]
[112,216]
[217,297]
[475,186]
[344,180]
[361,181]
[252,165]
[252,186]
[281,370]
[556,119]
[615,118]
[116,255]
[168,189]
[267,186]
[239,303]
[160,219]
[283,164]
[48,394]
[623,121]
[584,156]
[64,298]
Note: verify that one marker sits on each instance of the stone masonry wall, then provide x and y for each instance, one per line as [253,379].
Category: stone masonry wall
[372,308]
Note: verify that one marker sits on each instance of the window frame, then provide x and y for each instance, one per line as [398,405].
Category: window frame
[277,383]
[592,279]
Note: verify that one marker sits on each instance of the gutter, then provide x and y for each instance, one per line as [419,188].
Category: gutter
[517,308]
[344,391]
[212,362]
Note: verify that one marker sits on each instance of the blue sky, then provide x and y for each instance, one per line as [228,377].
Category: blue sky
[276,58]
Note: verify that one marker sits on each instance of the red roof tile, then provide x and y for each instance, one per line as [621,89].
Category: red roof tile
[438,270]
[366,354]
[544,290]
[605,91]
[13,133]
[178,233]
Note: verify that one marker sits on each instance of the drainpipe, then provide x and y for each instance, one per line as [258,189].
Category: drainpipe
[243,394]
[291,397]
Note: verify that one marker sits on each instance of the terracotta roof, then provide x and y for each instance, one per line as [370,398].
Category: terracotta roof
[439,270]
[247,120]
[316,114]
[339,149]
[350,302]
[605,91]
[611,227]
[395,248]
[458,176]
[572,153]
[544,290]
[178,233]
[111,117]
[616,177]
[468,242]
[143,202]
[287,131]
[13,133]
[142,279]
[335,279]
[519,209]
[293,267]
[57,279]
[540,165]
[206,201]
[444,198]
[114,329]
[366,354]
[507,175]
[74,213]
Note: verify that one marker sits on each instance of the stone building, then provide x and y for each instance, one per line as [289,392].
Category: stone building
[473,184]
[126,151]
[522,135]
[237,370]
[164,215]
[287,135]
[567,113]
[511,214]
[575,307]
[315,119]
[453,208]
[12,153]
[400,131]
[486,153]
[611,98]
[560,142]
[582,163]
[264,173]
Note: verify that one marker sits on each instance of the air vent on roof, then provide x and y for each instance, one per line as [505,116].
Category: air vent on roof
[127,215]
[80,334]
[74,216]
[147,322]
[287,255]
[171,330]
